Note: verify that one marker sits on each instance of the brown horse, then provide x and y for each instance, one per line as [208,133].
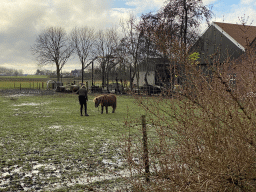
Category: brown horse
[105,100]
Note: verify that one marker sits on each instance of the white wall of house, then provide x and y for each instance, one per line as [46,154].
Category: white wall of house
[150,78]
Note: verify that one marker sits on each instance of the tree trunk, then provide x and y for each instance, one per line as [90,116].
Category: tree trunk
[107,74]
[146,74]
[92,74]
[185,23]
[82,72]
[58,72]
[103,74]
[138,81]
[131,78]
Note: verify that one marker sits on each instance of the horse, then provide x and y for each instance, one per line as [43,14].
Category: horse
[105,100]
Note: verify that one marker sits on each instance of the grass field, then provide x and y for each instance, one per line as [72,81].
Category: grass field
[46,145]
[24,77]
[17,82]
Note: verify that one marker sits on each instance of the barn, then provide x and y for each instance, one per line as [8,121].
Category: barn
[217,44]
[226,43]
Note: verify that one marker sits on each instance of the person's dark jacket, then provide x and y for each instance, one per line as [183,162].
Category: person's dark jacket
[82,92]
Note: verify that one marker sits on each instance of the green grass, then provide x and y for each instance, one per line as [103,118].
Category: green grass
[49,130]
[17,82]
[25,77]
[35,76]
[40,81]
[36,81]
[22,85]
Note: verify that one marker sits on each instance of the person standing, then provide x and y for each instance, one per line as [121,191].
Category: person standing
[83,98]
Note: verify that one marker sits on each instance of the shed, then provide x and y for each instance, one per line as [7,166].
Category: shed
[158,71]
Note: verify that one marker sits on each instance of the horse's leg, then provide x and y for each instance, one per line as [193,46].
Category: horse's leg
[102,107]
[114,108]
[106,109]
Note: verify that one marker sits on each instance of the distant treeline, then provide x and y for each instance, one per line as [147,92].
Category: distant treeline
[10,72]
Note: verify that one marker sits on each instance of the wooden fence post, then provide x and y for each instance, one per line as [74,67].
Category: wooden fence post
[145,147]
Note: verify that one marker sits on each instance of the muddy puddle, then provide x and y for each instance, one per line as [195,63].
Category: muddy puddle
[51,176]
[47,176]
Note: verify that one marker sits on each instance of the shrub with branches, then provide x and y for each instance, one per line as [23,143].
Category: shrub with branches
[204,137]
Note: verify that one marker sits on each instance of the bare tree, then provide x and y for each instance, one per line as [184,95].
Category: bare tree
[132,42]
[183,16]
[82,41]
[175,23]
[53,46]
[148,49]
[105,49]
[204,136]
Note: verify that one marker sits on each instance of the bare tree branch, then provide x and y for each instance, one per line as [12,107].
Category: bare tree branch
[82,41]
[52,46]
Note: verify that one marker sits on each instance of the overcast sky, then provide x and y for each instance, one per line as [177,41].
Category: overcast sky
[22,20]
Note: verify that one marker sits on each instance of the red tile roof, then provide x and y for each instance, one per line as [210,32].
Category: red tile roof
[239,32]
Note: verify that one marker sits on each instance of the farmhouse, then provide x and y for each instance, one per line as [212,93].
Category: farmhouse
[76,73]
[226,43]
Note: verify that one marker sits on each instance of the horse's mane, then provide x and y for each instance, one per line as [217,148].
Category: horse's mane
[100,97]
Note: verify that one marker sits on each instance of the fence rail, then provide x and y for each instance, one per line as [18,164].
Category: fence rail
[22,85]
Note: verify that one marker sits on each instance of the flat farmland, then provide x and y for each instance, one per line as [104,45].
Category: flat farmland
[36,82]
[31,82]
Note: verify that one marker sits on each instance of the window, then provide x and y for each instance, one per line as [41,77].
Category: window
[232,80]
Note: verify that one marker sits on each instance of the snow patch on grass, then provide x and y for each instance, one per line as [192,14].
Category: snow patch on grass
[29,104]
[55,127]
